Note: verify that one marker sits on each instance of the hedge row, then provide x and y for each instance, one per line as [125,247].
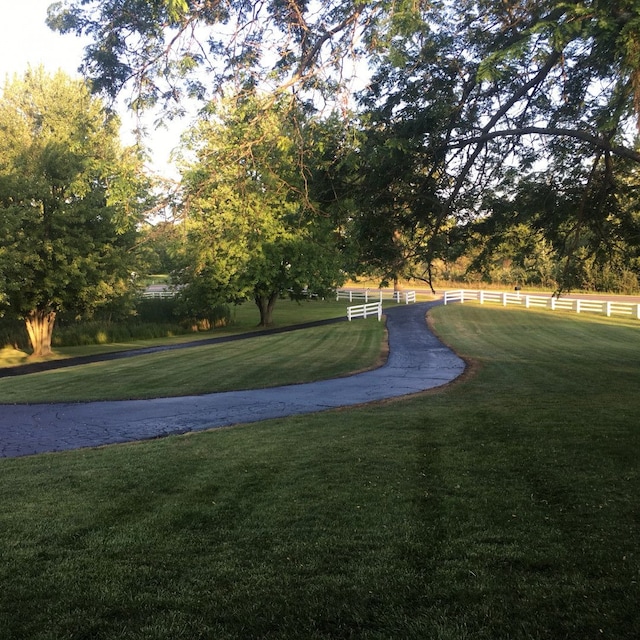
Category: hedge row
[151,319]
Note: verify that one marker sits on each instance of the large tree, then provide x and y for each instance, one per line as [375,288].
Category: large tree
[479,88]
[70,201]
[254,229]
[503,70]
[167,51]
[467,89]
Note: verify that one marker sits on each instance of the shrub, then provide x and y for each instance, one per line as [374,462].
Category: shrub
[95,332]
[13,333]
[157,310]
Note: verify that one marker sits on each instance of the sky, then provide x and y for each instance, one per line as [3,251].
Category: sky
[25,40]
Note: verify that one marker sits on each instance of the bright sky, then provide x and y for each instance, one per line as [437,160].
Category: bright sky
[26,40]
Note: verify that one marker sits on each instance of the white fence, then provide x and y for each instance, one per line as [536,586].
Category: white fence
[365,310]
[165,293]
[606,307]
[376,294]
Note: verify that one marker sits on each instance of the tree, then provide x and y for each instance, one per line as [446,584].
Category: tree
[396,203]
[483,88]
[253,229]
[506,70]
[160,243]
[70,200]
[470,88]
[167,51]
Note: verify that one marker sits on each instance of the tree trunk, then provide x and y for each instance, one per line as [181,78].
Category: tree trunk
[40,328]
[265,304]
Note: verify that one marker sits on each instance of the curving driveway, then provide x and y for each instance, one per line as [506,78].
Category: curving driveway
[417,361]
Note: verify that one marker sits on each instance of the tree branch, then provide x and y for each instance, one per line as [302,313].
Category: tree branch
[599,142]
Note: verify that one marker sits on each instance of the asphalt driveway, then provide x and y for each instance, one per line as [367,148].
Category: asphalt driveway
[417,361]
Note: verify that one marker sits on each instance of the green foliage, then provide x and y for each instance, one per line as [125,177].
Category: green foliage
[70,200]
[12,333]
[253,231]
[160,244]
[102,333]
[461,95]
[578,233]
[169,50]
[156,309]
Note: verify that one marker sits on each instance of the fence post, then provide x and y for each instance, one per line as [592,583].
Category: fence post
[504,299]
[608,308]
[481,297]
[380,311]
[526,302]
[577,306]
[552,301]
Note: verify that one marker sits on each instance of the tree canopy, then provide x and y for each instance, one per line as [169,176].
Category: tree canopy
[486,94]
[253,227]
[70,201]
[467,99]
[166,51]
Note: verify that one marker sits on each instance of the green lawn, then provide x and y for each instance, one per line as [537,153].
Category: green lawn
[506,506]
[299,356]
[244,319]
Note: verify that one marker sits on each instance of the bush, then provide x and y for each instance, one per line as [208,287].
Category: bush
[96,332]
[171,310]
[157,310]
[218,316]
[13,333]
[155,318]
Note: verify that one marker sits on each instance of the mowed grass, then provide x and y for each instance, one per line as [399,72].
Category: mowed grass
[505,506]
[244,319]
[299,356]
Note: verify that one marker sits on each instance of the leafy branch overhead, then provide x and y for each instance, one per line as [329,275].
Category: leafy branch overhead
[170,50]
[466,92]
[507,53]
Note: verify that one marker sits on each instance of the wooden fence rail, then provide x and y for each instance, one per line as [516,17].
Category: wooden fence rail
[166,293]
[375,294]
[365,310]
[606,307]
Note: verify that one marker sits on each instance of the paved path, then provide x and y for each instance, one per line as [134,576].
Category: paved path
[417,361]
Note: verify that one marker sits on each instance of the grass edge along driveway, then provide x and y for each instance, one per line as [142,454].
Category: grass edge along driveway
[504,506]
[304,355]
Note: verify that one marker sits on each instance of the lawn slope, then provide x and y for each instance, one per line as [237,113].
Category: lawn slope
[502,507]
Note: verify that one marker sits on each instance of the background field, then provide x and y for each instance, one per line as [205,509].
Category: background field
[503,506]
[243,318]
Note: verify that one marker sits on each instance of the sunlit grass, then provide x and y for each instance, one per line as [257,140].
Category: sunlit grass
[244,319]
[299,356]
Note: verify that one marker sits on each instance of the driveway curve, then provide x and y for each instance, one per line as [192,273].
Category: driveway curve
[417,361]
